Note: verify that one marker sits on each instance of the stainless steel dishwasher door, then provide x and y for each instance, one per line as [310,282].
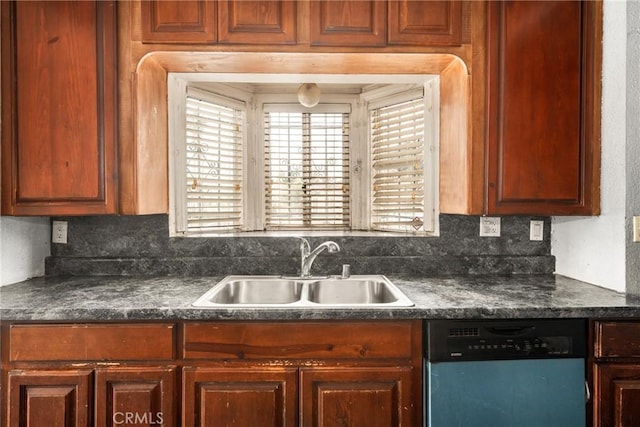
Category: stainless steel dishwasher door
[507,393]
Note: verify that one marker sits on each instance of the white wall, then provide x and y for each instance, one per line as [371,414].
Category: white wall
[24,244]
[592,249]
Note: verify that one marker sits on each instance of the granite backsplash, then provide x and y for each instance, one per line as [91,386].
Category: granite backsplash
[141,246]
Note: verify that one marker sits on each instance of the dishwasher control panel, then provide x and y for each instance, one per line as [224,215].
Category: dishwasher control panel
[449,340]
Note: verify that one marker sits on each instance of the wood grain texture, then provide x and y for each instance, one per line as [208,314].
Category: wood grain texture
[271,22]
[85,342]
[344,340]
[258,396]
[149,392]
[425,22]
[357,396]
[59,398]
[617,339]
[347,23]
[183,21]
[59,136]
[616,399]
[541,143]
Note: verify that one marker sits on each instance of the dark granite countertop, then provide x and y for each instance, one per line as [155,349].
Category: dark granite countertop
[99,298]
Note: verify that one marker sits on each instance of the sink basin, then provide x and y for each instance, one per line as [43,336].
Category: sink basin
[276,291]
[351,291]
[257,291]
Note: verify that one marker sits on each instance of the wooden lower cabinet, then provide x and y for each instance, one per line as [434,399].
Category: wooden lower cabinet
[616,374]
[357,396]
[618,395]
[52,398]
[223,396]
[135,395]
[212,374]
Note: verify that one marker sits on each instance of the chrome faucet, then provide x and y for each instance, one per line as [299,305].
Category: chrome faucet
[307,256]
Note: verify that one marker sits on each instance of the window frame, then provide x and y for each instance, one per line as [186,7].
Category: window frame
[359,150]
[319,109]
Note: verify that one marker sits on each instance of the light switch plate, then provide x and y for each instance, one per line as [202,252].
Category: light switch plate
[536,230]
[59,232]
[489,226]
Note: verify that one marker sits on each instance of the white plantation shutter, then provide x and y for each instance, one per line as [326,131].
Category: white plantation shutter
[398,165]
[214,163]
[306,170]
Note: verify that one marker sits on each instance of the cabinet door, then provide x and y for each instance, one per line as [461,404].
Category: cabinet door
[543,88]
[58,115]
[49,398]
[136,395]
[616,395]
[425,22]
[257,21]
[178,21]
[226,397]
[347,23]
[359,396]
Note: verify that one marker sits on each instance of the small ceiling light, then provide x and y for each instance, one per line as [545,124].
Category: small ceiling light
[309,94]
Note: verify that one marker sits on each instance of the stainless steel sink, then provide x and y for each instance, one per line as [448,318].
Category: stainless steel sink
[373,291]
[257,291]
[352,291]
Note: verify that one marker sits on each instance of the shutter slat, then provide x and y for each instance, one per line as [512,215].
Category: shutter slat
[214,162]
[397,133]
[306,170]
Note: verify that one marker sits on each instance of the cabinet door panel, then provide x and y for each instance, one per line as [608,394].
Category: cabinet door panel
[541,140]
[59,97]
[49,398]
[375,397]
[347,23]
[220,397]
[139,395]
[425,22]
[184,21]
[257,22]
[616,395]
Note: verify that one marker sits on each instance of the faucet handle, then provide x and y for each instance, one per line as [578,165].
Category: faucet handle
[346,271]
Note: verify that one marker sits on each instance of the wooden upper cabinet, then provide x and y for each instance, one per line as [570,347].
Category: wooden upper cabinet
[256,22]
[347,23]
[187,21]
[58,115]
[543,110]
[413,22]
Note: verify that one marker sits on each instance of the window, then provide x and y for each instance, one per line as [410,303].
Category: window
[397,165]
[306,169]
[213,164]
[252,161]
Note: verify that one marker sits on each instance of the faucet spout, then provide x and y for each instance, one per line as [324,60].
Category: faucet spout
[307,256]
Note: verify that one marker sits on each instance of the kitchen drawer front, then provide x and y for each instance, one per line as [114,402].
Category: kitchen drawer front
[87,342]
[617,339]
[300,340]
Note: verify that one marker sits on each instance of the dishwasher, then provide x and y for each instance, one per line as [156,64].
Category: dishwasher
[511,373]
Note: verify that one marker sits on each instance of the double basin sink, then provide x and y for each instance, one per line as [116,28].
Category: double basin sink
[357,291]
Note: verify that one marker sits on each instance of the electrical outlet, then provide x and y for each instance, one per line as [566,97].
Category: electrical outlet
[536,230]
[636,228]
[489,226]
[59,232]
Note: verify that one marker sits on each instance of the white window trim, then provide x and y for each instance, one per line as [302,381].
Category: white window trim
[359,150]
[386,96]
